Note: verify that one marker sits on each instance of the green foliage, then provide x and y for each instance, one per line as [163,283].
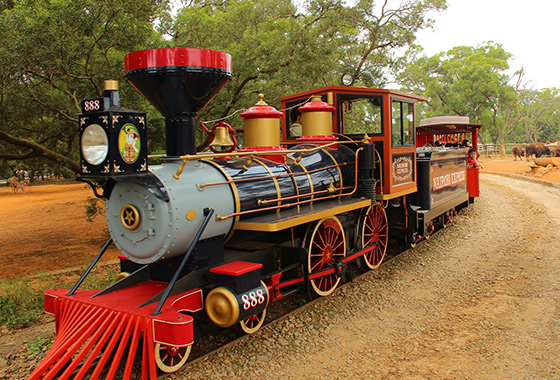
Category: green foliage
[474,82]
[94,207]
[56,53]
[541,116]
[460,81]
[280,49]
[21,300]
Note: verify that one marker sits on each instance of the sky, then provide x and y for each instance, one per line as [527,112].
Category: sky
[527,29]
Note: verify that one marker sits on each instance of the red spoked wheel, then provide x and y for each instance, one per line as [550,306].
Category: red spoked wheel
[252,324]
[375,232]
[326,245]
[171,358]
[429,231]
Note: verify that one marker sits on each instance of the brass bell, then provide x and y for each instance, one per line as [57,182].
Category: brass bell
[222,138]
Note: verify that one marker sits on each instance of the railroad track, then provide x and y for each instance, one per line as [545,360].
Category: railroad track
[290,306]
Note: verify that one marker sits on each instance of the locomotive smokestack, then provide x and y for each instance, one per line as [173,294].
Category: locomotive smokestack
[179,82]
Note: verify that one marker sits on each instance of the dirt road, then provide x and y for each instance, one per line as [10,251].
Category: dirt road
[478,301]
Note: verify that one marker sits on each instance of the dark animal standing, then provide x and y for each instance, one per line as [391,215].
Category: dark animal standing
[517,152]
[535,149]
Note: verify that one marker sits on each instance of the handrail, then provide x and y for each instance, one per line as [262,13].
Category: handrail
[208,212]
[186,158]
[91,265]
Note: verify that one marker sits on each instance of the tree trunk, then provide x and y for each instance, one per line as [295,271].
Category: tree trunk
[36,150]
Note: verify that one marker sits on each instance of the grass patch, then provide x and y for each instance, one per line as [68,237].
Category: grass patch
[20,303]
[39,345]
[21,300]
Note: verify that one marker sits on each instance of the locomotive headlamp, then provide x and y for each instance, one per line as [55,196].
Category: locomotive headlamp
[347,79]
[112,138]
[95,144]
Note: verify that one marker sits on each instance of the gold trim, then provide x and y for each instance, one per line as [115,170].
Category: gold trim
[262,132]
[298,203]
[186,158]
[291,221]
[130,218]
[111,85]
[164,322]
[120,276]
[233,188]
[199,292]
[170,369]
[54,298]
[363,232]
[316,123]
[384,197]
[261,101]
[273,177]
[306,172]
[330,98]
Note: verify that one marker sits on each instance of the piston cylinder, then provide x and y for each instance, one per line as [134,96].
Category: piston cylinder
[225,307]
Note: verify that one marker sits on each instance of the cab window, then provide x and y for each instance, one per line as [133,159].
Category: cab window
[402,123]
[362,115]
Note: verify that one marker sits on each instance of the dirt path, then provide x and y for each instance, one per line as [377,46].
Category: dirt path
[479,301]
[45,229]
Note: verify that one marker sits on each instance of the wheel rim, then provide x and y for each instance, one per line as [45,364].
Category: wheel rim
[327,244]
[252,324]
[375,231]
[171,358]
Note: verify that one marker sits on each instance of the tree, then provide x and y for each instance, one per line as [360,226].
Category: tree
[468,81]
[56,53]
[541,115]
[279,48]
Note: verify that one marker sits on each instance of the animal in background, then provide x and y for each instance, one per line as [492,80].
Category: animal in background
[517,152]
[535,149]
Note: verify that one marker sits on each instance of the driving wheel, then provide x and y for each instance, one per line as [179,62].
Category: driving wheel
[375,232]
[325,245]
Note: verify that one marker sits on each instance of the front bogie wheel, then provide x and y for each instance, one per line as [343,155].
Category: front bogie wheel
[171,358]
[252,324]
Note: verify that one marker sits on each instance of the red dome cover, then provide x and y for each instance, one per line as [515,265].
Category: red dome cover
[261,110]
[316,106]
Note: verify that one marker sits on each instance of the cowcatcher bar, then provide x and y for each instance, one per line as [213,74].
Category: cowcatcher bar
[94,332]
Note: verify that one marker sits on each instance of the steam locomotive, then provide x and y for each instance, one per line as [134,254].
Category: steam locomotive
[210,239]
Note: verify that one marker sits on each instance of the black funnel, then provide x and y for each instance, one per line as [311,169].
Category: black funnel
[178,82]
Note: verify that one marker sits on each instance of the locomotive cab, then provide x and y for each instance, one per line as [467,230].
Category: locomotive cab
[387,117]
